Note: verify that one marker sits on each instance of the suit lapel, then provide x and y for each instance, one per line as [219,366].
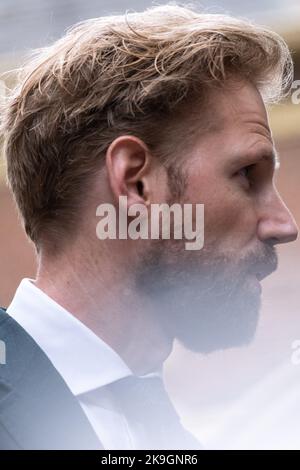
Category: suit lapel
[37,409]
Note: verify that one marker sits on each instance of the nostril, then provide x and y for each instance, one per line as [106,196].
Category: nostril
[273,241]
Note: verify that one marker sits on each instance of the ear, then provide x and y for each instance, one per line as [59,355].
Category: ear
[129,166]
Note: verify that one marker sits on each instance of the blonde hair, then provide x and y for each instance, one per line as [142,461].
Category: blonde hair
[121,74]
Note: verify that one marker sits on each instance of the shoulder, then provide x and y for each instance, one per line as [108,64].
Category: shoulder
[11,331]
[18,351]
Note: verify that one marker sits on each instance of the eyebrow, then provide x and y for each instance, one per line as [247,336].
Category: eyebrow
[271,156]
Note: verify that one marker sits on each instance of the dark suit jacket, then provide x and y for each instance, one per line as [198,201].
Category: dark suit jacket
[37,409]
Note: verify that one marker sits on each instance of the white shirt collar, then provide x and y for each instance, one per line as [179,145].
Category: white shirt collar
[84,360]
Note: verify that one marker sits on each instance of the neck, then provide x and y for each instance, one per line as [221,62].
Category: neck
[106,302]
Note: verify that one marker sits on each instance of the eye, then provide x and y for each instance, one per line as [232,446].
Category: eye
[246,174]
[246,171]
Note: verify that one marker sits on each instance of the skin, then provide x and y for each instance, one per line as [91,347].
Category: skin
[251,210]
[110,285]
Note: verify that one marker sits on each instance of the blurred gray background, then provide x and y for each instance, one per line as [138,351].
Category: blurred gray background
[33,23]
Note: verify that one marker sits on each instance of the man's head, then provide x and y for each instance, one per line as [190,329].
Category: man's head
[161,106]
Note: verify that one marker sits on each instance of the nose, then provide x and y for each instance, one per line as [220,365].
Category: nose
[276,223]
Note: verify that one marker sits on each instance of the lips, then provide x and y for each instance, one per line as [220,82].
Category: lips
[262,270]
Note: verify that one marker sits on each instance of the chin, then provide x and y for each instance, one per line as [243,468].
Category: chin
[207,303]
[227,325]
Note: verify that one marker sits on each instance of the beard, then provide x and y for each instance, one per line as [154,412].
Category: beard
[207,300]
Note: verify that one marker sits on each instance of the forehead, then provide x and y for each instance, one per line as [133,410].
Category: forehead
[236,126]
[239,114]
[238,103]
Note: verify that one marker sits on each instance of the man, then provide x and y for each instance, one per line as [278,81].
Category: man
[165,106]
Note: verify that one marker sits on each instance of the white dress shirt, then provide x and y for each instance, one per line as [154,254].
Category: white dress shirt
[85,361]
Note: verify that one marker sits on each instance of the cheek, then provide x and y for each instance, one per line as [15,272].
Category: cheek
[230,215]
